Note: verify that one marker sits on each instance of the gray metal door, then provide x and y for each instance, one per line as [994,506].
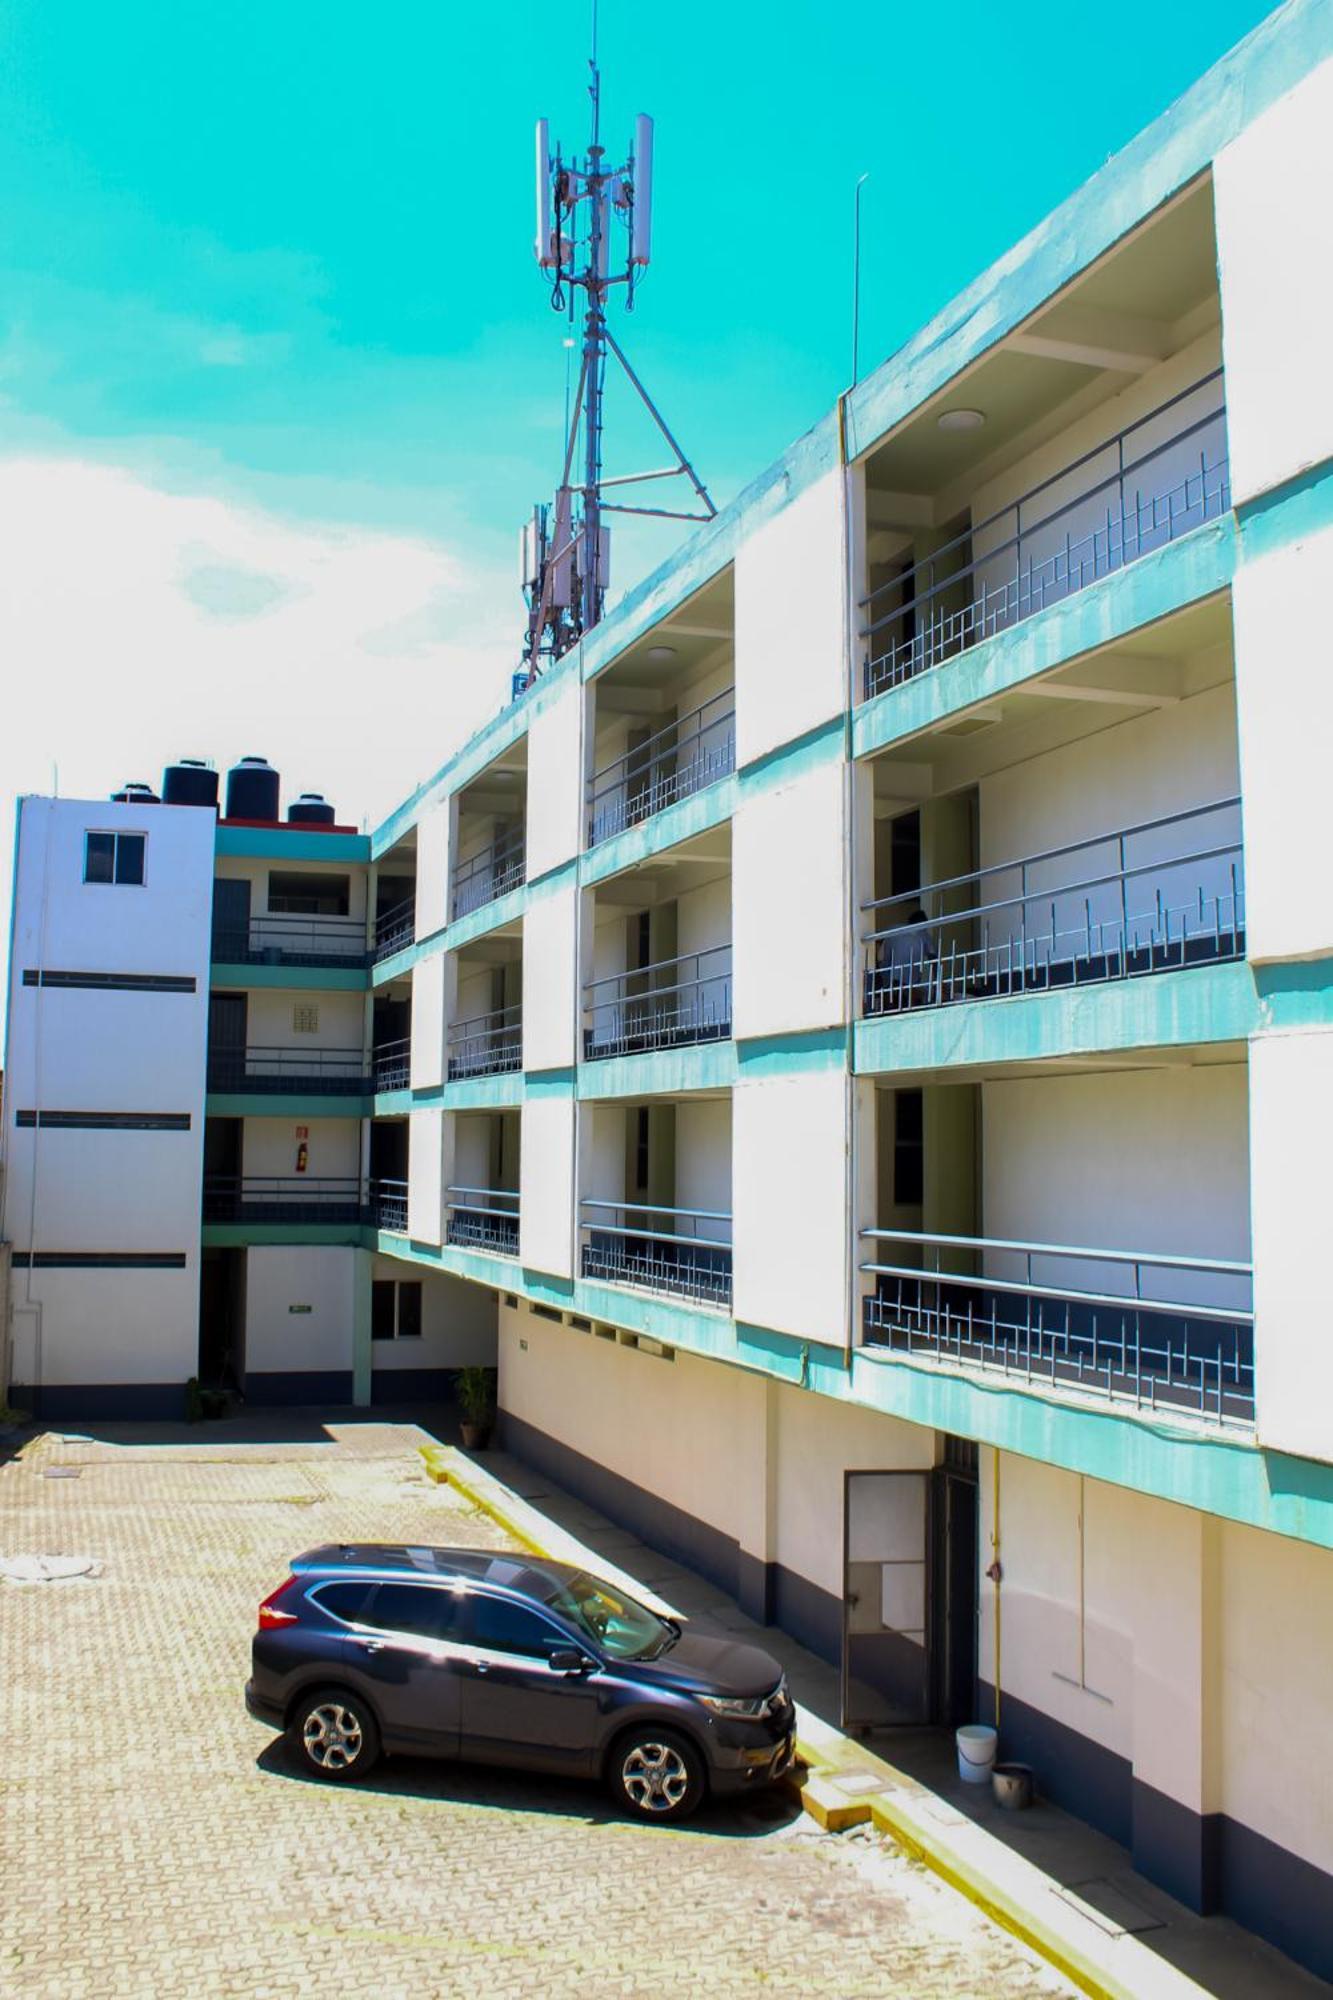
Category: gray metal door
[886,1664]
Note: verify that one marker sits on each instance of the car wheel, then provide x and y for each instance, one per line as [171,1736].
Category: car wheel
[657,1774]
[335,1735]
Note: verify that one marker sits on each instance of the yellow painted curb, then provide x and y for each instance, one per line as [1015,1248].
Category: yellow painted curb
[442,1462]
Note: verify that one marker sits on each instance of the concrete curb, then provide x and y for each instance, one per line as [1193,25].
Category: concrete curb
[1015,1894]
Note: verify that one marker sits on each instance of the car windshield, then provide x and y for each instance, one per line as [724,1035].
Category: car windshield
[613,1620]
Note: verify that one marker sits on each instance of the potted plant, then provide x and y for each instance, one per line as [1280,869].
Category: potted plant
[476,1401]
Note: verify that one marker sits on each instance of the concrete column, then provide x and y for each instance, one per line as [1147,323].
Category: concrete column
[362,1268]
[756,1499]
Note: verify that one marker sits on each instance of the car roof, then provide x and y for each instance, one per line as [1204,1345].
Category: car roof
[386,1561]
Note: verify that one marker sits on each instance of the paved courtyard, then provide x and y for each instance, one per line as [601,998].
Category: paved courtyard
[155,1841]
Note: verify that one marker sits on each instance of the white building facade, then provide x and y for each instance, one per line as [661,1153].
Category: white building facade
[854,1043]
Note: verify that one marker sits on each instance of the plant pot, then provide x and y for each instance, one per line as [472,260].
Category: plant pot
[475,1436]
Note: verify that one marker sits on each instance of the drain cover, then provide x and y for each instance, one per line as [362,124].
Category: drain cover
[858,1781]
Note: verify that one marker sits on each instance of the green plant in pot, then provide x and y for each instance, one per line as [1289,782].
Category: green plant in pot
[476,1402]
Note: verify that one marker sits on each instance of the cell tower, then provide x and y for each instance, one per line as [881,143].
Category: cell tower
[582,204]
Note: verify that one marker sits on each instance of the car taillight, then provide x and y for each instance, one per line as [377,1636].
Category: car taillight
[271,1613]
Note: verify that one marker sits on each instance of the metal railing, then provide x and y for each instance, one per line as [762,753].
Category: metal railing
[387,1205]
[669,1005]
[683,1260]
[1157,1353]
[395,928]
[493,872]
[483,1219]
[679,760]
[1126,507]
[335,941]
[1159,896]
[267,1071]
[393,1064]
[486,1045]
[290,1198]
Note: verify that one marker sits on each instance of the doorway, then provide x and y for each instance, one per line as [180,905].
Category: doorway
[957,1584]
[887,1593]
[222,1319]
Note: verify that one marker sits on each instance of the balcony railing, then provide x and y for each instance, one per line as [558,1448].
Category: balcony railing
[684,1252]
[393,1064]
[395,928]
[483,1219]
[323,1072]
[670,1005]
[1150,898]
[333,941]
[493,872]
[679,760]
[487,1045]
[1154,481]
[387,1205]
[290,1198]
[1016,1314]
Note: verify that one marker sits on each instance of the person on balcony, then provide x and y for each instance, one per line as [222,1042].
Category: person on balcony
[905,959]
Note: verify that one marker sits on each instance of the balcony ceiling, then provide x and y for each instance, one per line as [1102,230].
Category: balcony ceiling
[660,878]
[697,631]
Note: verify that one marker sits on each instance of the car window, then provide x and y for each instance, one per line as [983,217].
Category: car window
[344,1600]
[505,1627]
[424,1611]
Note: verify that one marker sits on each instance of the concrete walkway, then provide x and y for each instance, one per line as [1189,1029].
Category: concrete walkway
[1069,1891]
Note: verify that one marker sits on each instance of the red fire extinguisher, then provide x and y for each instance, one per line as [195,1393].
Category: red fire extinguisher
[302,1157]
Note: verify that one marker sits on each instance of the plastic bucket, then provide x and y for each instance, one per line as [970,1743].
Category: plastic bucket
[1011,1786]
[976,1752]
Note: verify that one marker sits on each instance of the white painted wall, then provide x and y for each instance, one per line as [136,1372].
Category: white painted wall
[269,1146]
[790,903]
[790,1196]
[433,865]
[282,1275]
[818,1441]
[791,621]
[703,1162]
[555,780]
[428,1022]
[551,1000]
[457,1322]
[81,1327]
[340,1021]
[1291,1114]
[1275,248]
[703,919]
[426,1175]
[1284,695]
[547,1163]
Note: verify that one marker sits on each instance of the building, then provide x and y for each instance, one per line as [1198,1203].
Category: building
[853,1041]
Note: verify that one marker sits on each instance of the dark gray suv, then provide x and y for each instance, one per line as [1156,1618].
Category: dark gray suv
[509,1659]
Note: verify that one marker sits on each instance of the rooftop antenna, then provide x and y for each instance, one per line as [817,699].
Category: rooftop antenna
[583,207]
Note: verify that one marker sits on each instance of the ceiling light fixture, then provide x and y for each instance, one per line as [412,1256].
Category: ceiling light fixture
[961,420]
[660,654]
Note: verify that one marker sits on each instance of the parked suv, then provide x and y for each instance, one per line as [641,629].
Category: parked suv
[507,1659]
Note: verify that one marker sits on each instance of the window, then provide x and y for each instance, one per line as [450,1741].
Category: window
[305,1018]
[114,857]
[346,1601]
[423,1610]
[295,895]
[909,1177]
[395,1309]
[503,1627]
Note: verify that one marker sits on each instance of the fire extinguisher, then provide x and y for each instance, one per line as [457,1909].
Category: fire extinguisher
[302,1157]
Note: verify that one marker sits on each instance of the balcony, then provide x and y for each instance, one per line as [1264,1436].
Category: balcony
[671,1005]
[395,928]
[1145,487]
[1156,897]
[673,764]
[483,1219]
[288,1071]
[314,940]
[1050,1316]
[487,1045]
[682,1252]
[392,1062]
[491,873]
[386,1205]
[283,1198]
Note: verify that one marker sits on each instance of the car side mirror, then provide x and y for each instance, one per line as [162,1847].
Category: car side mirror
[568,1660]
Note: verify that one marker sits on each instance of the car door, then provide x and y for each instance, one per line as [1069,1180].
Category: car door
[517,1708]
[404,1654]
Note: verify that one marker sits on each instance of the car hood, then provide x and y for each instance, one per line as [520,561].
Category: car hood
[700,1665]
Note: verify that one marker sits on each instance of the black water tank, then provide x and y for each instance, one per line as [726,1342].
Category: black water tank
[311,809]
[252,790]
[136,793]
[190,783]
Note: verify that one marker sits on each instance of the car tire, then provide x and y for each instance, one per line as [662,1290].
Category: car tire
[334,1735]
[656,1774]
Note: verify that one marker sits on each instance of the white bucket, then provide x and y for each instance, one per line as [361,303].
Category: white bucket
[976,1753]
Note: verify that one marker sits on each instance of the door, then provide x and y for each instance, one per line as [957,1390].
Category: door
[957,1605]
[231,918]
[227,1017]
[405,1655]
[517,1709]
[886,1654]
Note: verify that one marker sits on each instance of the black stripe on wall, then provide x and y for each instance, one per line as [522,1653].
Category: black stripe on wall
[105,1121]
[99,1260]
[114,982]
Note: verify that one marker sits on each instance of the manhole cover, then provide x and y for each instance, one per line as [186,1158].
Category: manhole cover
[62,1472]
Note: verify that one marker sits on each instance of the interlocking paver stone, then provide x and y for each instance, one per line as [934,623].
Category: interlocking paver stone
[156,1842]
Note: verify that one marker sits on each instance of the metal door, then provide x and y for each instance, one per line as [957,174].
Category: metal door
[886,1613]
[231,917]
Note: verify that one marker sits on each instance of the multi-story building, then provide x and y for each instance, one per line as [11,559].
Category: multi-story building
[853,1040]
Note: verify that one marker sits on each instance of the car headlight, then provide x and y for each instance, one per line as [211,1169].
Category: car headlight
[751,1707]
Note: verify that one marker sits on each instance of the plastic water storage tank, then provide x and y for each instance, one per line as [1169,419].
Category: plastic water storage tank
[136,793]
[190,783]
[311,809]
[252,790]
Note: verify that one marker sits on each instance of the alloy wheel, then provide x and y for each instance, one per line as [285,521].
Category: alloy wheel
[655,1777]
[332,1736]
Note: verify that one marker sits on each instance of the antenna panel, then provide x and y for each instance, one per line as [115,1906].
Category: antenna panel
[641,230]
[542,242]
